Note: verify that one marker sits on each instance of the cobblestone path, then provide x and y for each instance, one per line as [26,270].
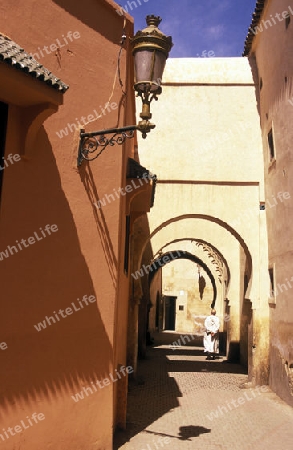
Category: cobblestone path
[181,401]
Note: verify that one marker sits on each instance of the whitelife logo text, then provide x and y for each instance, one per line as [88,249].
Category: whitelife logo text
[108,198]
[123,371]
[11,158]
[24,425]
[63,313]
[25,243]
[237,402]
[146,269]
[85,120]
[59,43]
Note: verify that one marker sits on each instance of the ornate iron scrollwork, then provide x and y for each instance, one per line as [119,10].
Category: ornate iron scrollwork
[93,144]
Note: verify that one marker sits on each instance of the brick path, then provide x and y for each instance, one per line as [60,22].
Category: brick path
[171,403]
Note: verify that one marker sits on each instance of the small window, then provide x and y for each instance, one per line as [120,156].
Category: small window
[181,307]
[260,84]
[272,296]
[287,20]
[271,145]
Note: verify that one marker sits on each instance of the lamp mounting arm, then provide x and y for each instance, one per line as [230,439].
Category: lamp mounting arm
[150,49]
[91,145]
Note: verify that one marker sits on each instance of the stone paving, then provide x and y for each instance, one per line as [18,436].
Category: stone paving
[181,401]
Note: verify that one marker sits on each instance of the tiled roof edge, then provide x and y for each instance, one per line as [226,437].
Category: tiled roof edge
[15,56]
[260,4]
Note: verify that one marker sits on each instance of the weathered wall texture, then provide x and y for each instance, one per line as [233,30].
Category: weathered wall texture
[208,160]
[272,50]
[41,370]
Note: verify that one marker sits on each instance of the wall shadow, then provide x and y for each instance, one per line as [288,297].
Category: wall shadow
[40,280]
[145,390]
[102,22]
[185,433]
[201,285]
[87,179]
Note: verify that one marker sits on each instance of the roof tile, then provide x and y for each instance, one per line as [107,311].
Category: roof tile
[15,56]
[260,4]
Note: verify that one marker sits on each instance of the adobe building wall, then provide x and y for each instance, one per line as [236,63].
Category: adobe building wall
[208,161]
[272,49]
[42,370]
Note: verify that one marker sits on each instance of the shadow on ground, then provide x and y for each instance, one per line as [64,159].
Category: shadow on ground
[154,392]
[185,433]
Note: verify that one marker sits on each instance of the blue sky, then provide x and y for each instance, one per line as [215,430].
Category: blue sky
[196,25]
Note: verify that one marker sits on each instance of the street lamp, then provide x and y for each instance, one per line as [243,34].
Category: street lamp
[150,49]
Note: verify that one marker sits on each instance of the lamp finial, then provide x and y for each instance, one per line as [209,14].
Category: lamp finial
[153,21]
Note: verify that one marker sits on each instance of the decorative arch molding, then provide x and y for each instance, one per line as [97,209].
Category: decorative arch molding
[215,220]
[221,264]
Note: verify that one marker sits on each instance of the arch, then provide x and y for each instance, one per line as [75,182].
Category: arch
[213,219]
[222,257]
[159,262]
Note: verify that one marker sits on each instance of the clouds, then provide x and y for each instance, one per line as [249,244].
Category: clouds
[215,32]
[198,25]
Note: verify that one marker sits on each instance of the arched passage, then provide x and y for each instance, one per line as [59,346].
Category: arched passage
[192,227]
[168,257]
[208,218]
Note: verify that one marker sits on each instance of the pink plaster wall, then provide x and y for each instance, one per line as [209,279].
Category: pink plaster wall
[41,370]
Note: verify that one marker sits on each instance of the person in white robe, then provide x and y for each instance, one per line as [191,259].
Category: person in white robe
[211,335]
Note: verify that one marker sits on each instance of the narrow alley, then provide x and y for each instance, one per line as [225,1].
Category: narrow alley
[181,401]
[146,206]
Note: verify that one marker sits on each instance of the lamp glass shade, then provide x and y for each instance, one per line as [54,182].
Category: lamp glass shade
[149,67]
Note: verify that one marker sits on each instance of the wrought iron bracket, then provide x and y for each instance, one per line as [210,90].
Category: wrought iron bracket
[91,145]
